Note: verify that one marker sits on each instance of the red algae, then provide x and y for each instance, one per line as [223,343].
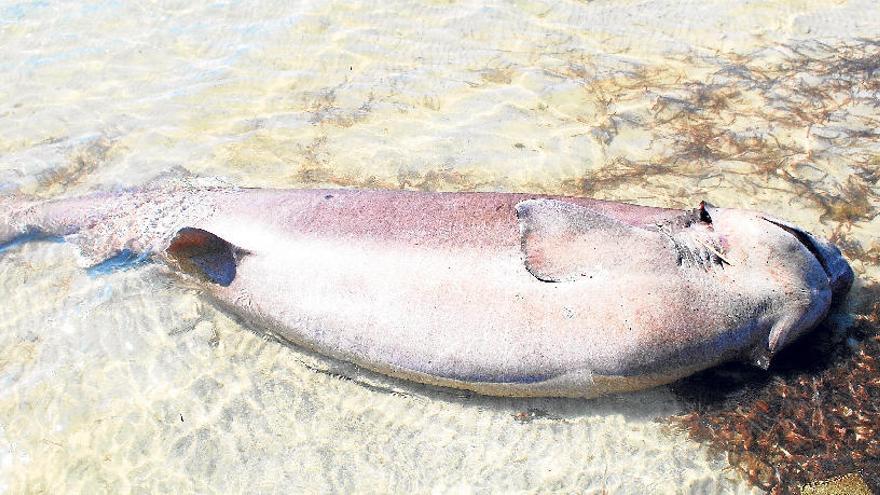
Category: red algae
[815,416]
[800,119]
[762,120]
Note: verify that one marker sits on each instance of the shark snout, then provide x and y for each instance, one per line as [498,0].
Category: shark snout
[840,274]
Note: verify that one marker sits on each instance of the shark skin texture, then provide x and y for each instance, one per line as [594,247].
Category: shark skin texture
[498,293]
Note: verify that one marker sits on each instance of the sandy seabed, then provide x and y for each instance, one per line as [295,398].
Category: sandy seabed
[129,382]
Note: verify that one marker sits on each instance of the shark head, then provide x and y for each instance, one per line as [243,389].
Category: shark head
[811,271]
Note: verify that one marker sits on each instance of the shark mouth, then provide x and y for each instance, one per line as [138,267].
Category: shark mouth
[840,274]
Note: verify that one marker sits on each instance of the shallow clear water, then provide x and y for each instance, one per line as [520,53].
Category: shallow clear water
[130,382]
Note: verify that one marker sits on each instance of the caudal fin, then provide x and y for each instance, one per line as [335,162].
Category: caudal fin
[18,221]
[10,208]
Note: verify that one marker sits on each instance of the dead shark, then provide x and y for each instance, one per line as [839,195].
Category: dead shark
[498,293]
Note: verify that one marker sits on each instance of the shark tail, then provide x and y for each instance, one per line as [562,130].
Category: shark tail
[11,206]
[24,218]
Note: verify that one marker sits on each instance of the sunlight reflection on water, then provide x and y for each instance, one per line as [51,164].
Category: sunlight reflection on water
[129,382]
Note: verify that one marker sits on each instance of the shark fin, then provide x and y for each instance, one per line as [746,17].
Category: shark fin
[204,255]
[121,261]
[563,241]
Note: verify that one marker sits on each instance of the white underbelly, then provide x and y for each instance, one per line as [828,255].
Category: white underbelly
[463,314]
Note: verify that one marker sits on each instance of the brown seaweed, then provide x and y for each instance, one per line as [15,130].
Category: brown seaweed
[773,119]
[816,415]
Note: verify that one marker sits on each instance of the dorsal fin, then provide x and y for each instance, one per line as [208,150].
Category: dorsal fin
[204,255]
[562,241]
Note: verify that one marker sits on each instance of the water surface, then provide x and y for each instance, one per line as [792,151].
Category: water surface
[131,382]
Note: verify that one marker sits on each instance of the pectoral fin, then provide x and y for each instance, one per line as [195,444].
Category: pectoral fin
[563,242]
[204,255]
[123,260]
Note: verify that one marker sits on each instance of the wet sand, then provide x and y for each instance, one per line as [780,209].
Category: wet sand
[130,382]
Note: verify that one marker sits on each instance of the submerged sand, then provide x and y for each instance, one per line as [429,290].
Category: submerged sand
[130,382]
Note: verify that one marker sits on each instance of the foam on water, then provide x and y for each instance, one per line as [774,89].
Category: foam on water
[130,382]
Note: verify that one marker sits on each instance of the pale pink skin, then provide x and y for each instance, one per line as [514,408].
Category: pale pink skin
[433,287]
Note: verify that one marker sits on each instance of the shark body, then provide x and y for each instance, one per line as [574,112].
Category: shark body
[499,293]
